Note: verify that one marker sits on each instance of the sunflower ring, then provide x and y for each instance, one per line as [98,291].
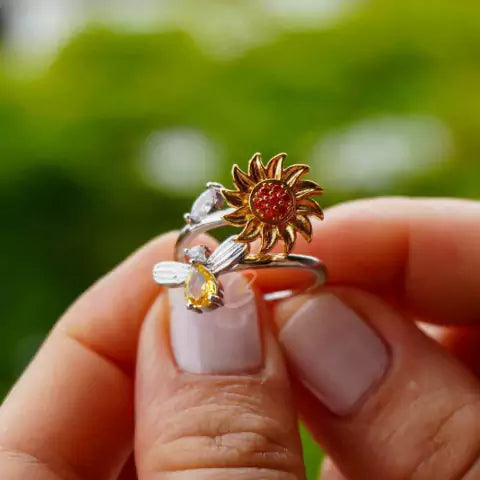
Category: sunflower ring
[271,204]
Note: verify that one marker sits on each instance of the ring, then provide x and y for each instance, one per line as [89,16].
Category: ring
[272,204]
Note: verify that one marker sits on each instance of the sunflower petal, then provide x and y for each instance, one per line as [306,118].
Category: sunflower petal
[307,206]
[269,238]
[239,217]
[275,166]
[234,198]
[287,232]
[250,232]
[303,225]
[305,188]
[256,170]
[241,180]
[293,173]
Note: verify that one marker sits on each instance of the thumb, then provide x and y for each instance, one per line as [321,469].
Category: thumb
[212,394]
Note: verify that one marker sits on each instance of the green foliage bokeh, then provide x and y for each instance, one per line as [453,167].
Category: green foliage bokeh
[72,200]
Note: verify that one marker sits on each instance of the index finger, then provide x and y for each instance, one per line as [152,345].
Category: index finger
[422,254]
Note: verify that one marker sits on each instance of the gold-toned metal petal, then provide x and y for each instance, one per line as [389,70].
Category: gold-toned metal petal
[256,170]
[303,225]
[275,166]
[269,238]
[241,180]
[287,232]
[234,198]
[250,232]
[239,217]
[293,173]
[307,206]
[306,188]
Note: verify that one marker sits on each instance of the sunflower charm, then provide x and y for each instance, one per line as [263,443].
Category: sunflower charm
[272,203]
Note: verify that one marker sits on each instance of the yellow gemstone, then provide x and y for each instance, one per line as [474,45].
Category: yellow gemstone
[199,286]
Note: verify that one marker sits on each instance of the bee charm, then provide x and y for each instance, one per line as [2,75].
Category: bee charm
[272,204]
[199,277]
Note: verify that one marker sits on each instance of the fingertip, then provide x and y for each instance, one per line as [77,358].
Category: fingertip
[208,389]
[285,310]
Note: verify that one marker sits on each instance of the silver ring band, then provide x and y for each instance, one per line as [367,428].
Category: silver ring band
[229,256]
[192,230]
[292,261]
[271,203]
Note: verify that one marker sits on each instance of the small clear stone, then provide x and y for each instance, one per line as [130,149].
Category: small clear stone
[198,253]
[209,201]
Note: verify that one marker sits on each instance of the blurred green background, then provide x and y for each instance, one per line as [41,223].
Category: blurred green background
[114,114]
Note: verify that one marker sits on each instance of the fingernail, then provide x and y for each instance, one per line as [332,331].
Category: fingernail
[337,355]
[223,341]
[330,472]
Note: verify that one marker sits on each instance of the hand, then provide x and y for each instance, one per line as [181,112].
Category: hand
[212,396]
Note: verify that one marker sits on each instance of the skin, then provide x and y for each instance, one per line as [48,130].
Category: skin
[105,384]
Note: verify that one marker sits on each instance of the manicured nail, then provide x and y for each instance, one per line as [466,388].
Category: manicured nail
[337,355]
[223,341]
[330,471]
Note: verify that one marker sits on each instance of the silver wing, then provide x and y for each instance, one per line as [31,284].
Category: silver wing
[170,274]
[228,253]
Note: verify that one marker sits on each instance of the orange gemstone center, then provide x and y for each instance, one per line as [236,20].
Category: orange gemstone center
[272,202]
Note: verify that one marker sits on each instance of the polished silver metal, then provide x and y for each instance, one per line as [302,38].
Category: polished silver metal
[230,255]
[226,255]
[174,274]
[212,217]
[171,274]
[192,230]
[215,220]
[291,261]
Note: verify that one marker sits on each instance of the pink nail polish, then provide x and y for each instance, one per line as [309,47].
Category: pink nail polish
[337,355]
[224,341]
